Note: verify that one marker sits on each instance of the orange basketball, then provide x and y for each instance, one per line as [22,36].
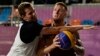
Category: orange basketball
[47,21]
[75,22]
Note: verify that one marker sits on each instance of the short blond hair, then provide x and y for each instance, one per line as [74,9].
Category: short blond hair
[62,4]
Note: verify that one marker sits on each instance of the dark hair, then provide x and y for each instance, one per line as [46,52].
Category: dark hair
[62,4]
[22,7]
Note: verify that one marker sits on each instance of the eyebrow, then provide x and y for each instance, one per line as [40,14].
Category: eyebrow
[31,11]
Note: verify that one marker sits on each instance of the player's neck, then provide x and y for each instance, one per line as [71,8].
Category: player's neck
[58,23]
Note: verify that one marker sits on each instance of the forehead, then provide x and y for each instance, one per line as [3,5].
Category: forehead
[59,7]
[29,9]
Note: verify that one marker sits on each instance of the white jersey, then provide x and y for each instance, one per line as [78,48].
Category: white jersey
[20,48]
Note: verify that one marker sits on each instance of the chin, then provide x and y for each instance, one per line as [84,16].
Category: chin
[55,18]
[27,20]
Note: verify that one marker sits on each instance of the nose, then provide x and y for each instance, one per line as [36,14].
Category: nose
[57,12]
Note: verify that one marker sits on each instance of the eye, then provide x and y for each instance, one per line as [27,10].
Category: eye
[30,13]
[55,9]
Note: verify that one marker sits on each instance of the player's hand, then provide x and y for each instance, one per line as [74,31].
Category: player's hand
[56,42]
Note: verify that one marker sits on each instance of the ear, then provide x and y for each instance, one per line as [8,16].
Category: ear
[67,14]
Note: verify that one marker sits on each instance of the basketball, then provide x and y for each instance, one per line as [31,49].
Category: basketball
[66,39]
[75,22]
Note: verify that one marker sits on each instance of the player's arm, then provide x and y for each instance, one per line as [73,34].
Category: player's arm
[44,51]
[75,28]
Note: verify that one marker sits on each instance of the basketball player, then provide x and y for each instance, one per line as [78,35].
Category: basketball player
[27,36]
[50,45]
